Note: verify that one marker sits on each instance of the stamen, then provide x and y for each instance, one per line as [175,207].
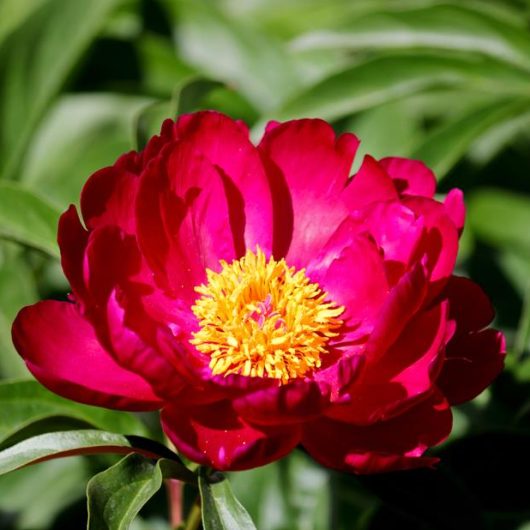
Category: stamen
[262,318]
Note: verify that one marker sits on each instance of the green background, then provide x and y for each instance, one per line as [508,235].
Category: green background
[82,81]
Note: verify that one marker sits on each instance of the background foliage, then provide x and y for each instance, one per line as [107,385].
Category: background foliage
[444,81]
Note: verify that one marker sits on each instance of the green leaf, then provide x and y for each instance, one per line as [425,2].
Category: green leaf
[17,289]
[81,134]
[220,509]
[116,495]
[501,218]
[446,145]
[238,54]
[445,27]
[82,442]
[392,77]
[28,406]
[14,12]
[35,61]
[27,218]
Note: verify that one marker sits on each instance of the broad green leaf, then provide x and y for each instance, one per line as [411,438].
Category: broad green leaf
[444,147]
[446,27]
[240,55]
[289,18]
[27,218]
[220,508]
[68,477]
[25,403]
[81,134]
[35,61]
[116,495]
[81,442]
[501,218]
[392,77]
[17,289]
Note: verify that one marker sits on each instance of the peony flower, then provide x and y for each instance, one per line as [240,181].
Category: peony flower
[263,299]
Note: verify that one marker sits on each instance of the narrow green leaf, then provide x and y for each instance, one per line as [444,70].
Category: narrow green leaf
[445,27]
[384,79]
[25,403]
[220,509]
[83,442]
[238,54]
[444,147]
[501,218]
[80,134]
[116,495]
[27,218]
[35,62]
[14,12]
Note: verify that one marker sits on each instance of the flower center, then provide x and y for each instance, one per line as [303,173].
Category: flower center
[262,318]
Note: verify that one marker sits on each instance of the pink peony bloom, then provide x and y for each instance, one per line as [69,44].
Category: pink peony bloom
[263,299]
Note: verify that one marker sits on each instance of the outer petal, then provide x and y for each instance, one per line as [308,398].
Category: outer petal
[216,436]
[384,446]
[455,208]
[108,197]
[63,353]
[411,177]
[473,362]
[440,241]
[304,157]
[226,144]
[183,220]
[473,357]
[73,240]
[370,184]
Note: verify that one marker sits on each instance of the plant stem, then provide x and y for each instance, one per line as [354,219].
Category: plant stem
[174,493]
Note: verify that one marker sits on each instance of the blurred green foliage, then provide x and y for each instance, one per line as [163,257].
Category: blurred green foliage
[82,81]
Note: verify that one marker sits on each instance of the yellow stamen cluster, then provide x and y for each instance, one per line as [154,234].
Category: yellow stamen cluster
[262,318]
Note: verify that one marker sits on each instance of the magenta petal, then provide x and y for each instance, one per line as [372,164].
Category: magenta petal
[468,305]
[350,268]
[455,208]
[384,446]
[440,241]
[400,306]
[305,157]
[183,220]
[398,231]
[130,349]
[370,184]
[226,145]
[293,403]
[61,350]
[401,376]
[411,177]
[214,435]
[73,240]
[473,362]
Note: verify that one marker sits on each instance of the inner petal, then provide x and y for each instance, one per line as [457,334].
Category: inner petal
[262,318]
